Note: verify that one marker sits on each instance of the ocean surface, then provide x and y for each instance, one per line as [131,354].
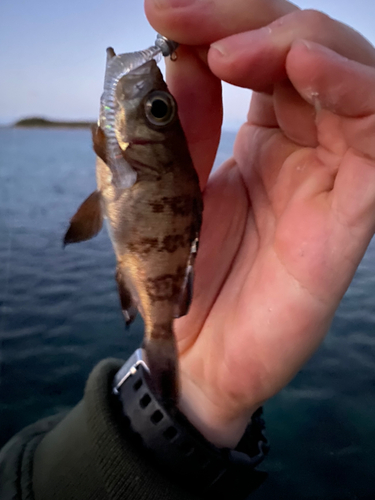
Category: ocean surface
[60,315]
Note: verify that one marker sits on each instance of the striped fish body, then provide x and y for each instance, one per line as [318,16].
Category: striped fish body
[154,224]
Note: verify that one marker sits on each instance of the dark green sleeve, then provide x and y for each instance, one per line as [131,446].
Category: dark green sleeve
[86,455]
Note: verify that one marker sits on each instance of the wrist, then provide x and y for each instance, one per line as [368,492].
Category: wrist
[217,422]
[174,445]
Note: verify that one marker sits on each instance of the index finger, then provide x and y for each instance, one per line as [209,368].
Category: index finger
[198,95]
[201,22]
[196,90]
[256,59]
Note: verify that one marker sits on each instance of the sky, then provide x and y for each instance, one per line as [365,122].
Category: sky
[52,54]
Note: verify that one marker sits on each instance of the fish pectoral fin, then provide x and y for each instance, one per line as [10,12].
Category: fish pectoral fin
[87,221]
[128,304]
[186,295]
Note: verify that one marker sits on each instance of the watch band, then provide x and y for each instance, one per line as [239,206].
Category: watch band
[176,445]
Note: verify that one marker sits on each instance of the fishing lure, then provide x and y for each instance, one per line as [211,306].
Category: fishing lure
[117,67]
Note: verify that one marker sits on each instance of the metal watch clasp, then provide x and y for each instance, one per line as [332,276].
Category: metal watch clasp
[129,369]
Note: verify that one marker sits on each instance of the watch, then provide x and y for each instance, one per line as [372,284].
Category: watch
[176,445]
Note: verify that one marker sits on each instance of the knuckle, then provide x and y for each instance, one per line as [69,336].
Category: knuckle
[315,19]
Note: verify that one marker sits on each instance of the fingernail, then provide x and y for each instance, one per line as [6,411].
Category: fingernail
[305,43]
[165,4]
[241,41]
[316,47]
[220,47]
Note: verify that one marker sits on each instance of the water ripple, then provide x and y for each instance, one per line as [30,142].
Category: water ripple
[60,315]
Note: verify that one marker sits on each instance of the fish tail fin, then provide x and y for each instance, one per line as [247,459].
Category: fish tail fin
[162,359]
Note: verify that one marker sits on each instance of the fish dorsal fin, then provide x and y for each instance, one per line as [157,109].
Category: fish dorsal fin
[87,221]
[186,295]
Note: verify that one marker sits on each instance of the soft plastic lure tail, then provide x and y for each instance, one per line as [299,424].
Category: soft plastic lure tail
[117,67]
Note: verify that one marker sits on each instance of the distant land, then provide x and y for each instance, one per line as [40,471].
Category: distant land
[36,121]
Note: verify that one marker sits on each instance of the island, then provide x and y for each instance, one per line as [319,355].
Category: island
[37,121]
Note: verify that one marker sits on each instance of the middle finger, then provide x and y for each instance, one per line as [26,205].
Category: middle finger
[256,59]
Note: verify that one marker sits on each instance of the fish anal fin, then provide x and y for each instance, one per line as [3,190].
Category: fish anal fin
[99,142]
[128,304]
[186,295]
[87,221]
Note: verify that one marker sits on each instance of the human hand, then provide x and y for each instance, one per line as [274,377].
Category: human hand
[289,217]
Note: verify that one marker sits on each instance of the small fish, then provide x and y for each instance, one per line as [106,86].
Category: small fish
[148,190]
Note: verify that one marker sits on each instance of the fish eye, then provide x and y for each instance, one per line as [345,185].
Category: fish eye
[160,108]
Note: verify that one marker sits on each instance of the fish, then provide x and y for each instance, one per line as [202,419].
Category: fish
[152,203]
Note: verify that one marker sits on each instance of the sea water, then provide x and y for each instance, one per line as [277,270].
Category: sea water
[60,315]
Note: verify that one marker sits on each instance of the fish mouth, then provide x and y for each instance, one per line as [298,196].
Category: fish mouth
[138,141]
